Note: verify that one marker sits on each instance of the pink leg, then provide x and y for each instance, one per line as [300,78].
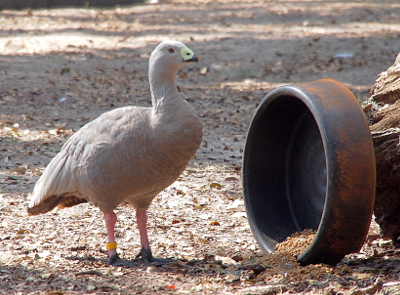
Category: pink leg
[145,254]
[110,219]
[141,218]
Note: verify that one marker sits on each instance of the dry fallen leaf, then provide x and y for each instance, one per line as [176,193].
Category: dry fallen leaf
[20,169]
[203,241]
[216,185]
[231,178]
[204,71]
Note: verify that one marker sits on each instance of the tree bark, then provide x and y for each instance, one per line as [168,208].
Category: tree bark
[383,113]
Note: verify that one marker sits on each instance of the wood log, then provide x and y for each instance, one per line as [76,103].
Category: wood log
[383,112]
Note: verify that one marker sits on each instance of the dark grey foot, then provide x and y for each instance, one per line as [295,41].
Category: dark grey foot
[115,260]
[146,257]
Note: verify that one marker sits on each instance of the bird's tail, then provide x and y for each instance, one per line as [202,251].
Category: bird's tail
[59,201]
[56,187]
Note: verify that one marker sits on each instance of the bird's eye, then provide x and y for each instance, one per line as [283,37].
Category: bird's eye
[171,50]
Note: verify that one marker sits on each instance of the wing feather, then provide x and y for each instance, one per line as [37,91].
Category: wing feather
[66,175]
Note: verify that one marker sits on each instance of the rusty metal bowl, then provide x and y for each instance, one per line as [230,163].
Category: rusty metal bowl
[309,163]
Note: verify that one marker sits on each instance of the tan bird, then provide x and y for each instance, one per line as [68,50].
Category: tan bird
[127,155]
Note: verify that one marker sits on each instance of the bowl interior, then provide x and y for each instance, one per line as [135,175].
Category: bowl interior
[285,176]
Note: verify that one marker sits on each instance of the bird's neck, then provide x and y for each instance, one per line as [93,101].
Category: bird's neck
[162,86]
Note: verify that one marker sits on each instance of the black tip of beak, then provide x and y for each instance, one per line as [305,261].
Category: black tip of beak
[193,59]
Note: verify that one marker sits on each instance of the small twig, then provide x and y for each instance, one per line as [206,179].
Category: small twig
[89,272]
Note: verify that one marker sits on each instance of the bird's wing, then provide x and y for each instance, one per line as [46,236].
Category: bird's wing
[66,173]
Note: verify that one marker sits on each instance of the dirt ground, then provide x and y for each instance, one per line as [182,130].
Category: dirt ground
[60,68]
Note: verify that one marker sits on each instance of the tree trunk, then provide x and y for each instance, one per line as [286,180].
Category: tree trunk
[383,113]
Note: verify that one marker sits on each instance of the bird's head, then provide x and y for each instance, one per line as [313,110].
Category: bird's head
[172,54]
